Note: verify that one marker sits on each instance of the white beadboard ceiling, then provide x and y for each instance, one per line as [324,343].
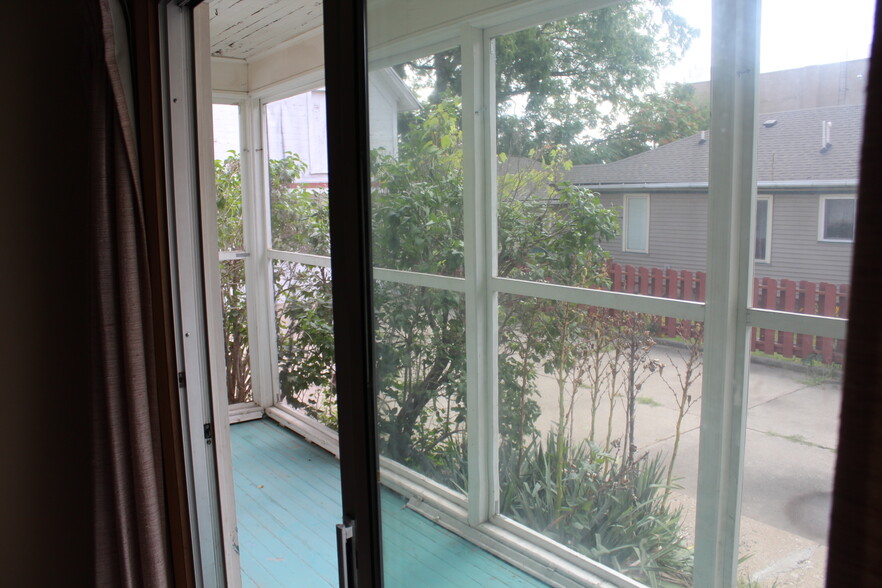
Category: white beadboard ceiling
[244,29]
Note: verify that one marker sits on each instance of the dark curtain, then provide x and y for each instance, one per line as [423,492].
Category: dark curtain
[855,558]
[136,543]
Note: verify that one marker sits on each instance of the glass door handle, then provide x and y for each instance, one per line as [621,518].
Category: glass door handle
[345,553]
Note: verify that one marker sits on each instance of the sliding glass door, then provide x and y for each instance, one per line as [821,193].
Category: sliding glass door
[549,246]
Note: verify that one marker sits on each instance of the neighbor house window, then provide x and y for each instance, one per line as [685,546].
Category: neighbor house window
[763,237]
[635,236]
[836,222]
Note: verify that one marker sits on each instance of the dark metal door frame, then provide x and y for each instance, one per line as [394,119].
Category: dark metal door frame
[350,230]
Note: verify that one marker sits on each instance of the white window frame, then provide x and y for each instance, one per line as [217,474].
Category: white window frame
[628,229]
[243,411]
[769,203]
[822,217]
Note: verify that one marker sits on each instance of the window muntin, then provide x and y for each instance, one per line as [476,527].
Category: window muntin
[763,229]
[635,224]
[836,218]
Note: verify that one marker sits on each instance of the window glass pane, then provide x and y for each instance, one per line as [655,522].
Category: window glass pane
[236,349]
[599,416]
[228,177]
[790,454]
[416,150]
[305,339]
[762,226]
[297,173]
[415,124]
[230,230]
[637,223]
[808,133]
[809,127]
[420,372]
[823,299]
[592,109]
[839,218]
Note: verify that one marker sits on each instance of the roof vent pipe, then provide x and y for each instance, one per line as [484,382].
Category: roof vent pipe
[826,135]
[702,138]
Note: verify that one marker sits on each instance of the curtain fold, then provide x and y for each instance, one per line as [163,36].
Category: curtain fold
[131,526]
[855,539]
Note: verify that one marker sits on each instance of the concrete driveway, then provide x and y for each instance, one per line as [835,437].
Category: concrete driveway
[792,428]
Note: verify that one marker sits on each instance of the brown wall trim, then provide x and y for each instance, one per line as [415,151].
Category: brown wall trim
[148,85]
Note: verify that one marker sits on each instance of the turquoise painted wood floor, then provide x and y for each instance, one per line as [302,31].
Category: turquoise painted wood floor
[288,503]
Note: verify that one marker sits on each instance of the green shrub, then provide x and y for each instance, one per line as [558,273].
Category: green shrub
[613,512]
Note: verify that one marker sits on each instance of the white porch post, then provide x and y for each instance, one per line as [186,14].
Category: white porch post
[479,218]
[259,297]
[734,73]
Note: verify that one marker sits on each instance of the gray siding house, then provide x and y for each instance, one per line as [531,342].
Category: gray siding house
[807,170]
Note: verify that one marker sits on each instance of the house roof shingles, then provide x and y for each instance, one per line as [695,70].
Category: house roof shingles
[789,151]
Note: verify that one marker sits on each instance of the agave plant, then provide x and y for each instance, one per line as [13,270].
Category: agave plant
[613,510]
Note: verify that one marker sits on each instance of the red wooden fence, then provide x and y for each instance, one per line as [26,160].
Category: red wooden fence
[788,295]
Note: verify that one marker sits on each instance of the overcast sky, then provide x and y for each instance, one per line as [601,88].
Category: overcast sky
[794,34]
